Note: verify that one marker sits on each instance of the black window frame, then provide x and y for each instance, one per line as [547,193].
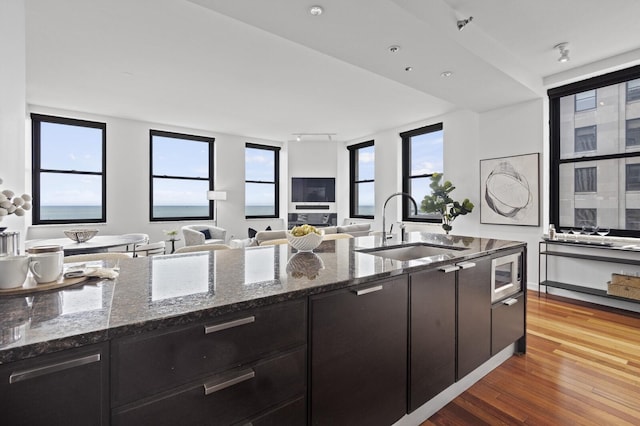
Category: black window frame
[407,206]
[183,136]
[36,170]
[555,161]
[276,182]
[354,152]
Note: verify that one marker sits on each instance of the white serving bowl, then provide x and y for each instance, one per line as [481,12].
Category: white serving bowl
[81,235]
[306,242]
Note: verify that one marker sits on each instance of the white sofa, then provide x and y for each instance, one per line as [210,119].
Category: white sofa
[355,230]
[203,234]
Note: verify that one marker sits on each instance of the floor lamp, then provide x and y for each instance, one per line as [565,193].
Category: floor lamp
[216,196]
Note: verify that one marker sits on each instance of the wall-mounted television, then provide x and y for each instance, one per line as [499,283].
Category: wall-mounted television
[321,190]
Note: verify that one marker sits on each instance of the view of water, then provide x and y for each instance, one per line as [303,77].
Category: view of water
[367,210]
[70,212]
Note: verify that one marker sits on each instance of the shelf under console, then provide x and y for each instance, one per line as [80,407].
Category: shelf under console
[613,257]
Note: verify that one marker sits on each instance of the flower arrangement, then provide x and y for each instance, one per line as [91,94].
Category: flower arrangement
[440,202]
[172,233]
[12,204]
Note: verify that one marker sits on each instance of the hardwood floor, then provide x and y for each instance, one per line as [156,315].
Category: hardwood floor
[582,367]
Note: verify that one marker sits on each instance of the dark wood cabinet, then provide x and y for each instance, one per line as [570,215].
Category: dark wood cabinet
[432,359]
[65,388]
[474,316]
[159,361]
[226,398]
[246,365]
[507,322]
[359,354]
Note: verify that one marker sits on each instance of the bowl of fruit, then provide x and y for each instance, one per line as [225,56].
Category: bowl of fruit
[304,237]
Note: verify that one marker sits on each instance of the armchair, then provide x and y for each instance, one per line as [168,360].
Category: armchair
[203,234]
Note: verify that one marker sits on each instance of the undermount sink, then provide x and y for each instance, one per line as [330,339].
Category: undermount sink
[413,251]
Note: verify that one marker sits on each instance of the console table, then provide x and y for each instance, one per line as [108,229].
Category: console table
[590,252]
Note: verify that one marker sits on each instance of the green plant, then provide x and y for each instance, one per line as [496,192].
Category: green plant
[439,201]
[172,233]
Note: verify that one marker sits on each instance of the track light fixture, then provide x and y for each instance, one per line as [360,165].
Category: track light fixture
[564,52]
[463,23]
[313,135]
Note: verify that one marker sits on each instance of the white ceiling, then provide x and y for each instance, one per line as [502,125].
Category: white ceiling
[268,69]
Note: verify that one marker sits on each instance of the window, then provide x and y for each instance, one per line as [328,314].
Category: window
[585,139]
[632,177]
[586,179]
[362,174]
[69,163]
[585,100]
[422,156]
[633,132]
[594,158]
[181,174]
[632,219]
[586,217]
[262,181]
[633,90]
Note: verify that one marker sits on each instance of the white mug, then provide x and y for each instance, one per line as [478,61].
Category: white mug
[46,267]
[13,271]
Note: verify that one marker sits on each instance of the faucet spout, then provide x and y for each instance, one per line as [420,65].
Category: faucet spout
[384,209]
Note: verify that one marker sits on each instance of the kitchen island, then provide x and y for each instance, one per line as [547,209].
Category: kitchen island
[254,335]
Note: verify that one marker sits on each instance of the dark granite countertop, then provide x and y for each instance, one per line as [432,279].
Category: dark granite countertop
[164,291]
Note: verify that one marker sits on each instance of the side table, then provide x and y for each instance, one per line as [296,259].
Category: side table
[173,244]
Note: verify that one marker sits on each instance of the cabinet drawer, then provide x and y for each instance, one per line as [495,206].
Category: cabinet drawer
[292,413]
[507,322]
[154,362]
[66,388]
[232,396]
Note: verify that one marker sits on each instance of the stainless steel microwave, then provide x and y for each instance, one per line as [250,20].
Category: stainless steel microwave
[506,277]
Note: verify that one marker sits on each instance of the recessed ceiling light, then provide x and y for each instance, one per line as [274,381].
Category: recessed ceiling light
[446,74]
[316,10]
[408,69]
[394,48]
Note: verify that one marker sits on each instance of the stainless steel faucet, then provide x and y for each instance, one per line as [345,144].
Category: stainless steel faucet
[384,209]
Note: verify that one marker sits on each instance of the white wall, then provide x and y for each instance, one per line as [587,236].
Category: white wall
[128,179]
[515,130]
[13,160]
[460,148]
[468,138]
[315,159]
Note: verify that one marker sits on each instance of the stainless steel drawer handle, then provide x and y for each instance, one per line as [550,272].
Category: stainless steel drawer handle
[235,323]
[243,376]
[368,290]
[510,301]
[467,265]
[32,373]
[449,268]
